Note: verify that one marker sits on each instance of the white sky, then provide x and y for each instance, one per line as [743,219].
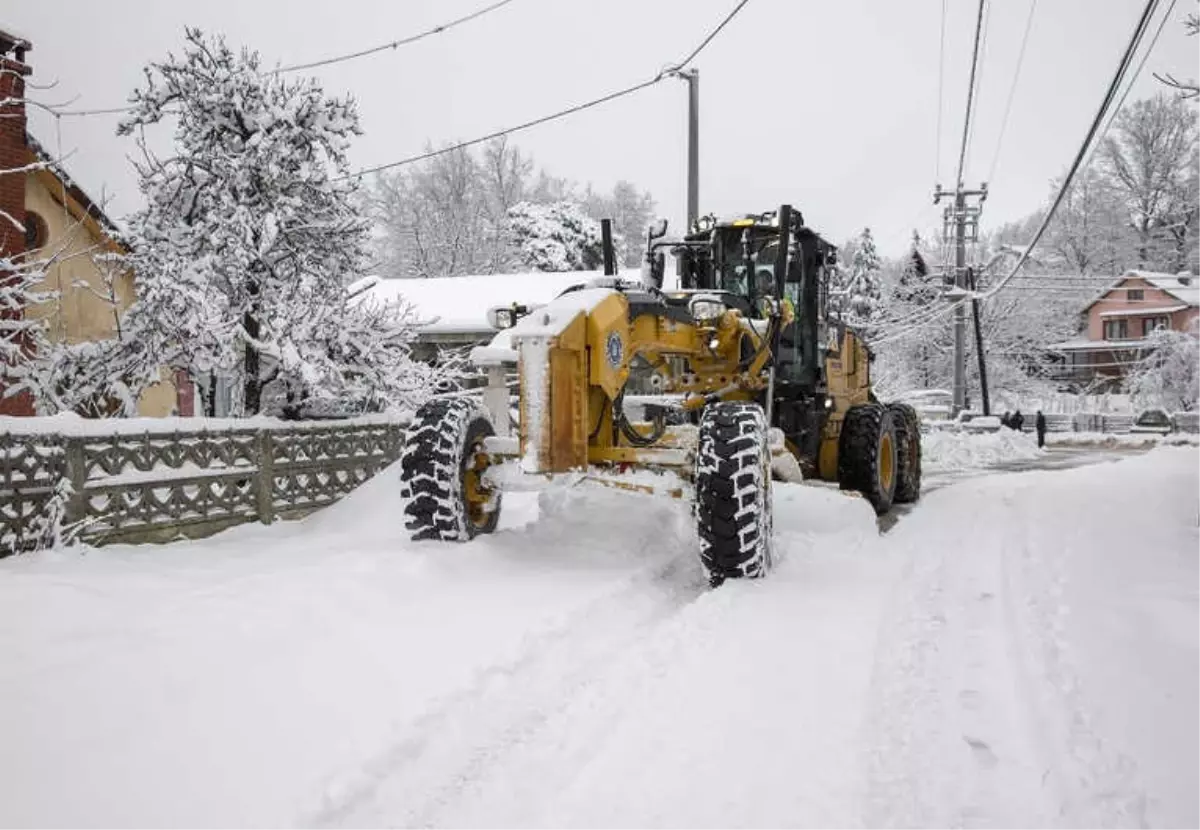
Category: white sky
[829,105]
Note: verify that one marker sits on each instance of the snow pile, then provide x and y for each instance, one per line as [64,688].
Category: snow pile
[1133,440]
[945,450]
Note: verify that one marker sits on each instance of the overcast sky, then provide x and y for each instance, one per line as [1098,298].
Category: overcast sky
[829,105]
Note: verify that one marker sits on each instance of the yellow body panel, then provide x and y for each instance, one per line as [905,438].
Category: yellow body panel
[848,384]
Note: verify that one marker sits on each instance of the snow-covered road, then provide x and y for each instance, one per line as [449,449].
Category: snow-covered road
[1021,649]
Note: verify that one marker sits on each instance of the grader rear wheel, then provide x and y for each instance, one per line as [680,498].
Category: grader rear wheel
[908,452]
[733,492]
[442,473]
[867,454]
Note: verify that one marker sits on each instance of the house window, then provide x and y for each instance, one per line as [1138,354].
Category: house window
[1150,324]
[1116,330]
[36,233]
[1135,295]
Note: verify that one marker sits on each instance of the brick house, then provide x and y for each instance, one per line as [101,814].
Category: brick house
[1119,320]
[47,211]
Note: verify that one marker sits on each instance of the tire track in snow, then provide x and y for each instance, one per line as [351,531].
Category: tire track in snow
[1093,783]
[431,760]
[947,741]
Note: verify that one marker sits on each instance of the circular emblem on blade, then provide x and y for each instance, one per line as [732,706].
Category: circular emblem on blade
[614,349]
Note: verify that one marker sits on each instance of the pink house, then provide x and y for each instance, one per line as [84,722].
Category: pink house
[1120,319]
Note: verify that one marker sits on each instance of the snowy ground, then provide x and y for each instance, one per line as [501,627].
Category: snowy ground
[1020,649]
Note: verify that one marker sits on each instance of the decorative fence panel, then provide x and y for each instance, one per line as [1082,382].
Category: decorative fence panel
[162,486]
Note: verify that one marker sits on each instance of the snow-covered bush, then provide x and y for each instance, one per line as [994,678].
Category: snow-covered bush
[557,237]
[1167,375]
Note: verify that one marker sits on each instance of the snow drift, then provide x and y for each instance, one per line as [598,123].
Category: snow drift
[952,451]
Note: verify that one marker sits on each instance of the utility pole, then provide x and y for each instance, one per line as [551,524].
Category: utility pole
[960,225]
[692,76]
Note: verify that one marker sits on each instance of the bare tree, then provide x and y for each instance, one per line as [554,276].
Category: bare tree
[1151,158]
[1188,89]
[1089,232]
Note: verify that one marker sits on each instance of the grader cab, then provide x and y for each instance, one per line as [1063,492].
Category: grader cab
[753,381]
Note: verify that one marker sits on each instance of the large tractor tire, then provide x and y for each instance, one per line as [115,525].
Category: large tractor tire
[733,492]
[867,454]
[442,470]
[908,452]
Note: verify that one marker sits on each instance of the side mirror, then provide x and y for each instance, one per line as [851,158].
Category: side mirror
[657,230]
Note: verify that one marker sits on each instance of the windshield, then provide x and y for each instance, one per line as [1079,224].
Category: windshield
[735,272]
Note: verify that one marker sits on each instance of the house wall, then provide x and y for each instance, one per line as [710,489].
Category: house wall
[1117,301]
[80,313]
[1183,320]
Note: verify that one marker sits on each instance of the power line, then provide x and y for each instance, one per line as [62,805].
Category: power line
[396,44]
[683,63]
[987,20]
[937,153]
[962,153]
[612,96]
[1012,90]
[1123,67]
[507,130]
[1132,83]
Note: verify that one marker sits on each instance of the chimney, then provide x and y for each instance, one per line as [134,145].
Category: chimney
[14,153]
[13,150]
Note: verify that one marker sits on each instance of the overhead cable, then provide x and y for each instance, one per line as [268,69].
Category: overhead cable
[1084,148]
[1012,90]
[396,44]
[937,152]
[612,96]
[962,153]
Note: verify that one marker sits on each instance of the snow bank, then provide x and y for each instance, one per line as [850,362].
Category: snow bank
[1121,441]
[946,450]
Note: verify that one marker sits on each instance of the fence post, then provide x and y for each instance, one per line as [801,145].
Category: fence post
[265,482]
[76,508]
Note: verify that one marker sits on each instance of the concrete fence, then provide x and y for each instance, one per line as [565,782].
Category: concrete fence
[1109,423]
[159,486]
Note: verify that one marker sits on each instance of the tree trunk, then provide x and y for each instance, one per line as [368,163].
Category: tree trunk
[208,396]
[252,400]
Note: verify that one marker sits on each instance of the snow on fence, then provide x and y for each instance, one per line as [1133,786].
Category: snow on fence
[161,485]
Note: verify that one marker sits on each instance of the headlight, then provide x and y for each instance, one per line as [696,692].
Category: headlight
[706,309]
[500,318]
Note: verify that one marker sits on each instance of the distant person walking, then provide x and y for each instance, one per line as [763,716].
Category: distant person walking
[1018,421]
[1040,423]
[1006,420]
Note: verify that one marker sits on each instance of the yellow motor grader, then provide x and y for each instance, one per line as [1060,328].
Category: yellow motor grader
[752,381]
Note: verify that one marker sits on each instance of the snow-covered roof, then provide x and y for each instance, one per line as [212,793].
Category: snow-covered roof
[8,33]
[1183,287]
[1138,312]
[460,304]
[1188,292]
